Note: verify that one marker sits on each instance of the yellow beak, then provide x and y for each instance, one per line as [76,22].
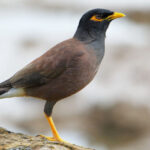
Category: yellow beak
[115,15]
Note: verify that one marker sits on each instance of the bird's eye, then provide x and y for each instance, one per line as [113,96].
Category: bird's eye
[96,18]
[105,15]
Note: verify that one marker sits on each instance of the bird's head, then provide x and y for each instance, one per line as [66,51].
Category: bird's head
[94,23]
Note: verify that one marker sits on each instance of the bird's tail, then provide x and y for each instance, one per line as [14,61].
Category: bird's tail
[4,87]
[3,90]
[7,90]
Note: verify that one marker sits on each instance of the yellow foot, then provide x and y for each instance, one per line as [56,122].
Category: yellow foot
[54,139]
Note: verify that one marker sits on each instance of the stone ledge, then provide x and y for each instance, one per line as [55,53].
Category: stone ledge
[18,141]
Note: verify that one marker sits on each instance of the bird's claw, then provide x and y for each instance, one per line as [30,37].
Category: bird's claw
[54,139]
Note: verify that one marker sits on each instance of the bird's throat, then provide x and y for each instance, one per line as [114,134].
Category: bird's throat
[88,36]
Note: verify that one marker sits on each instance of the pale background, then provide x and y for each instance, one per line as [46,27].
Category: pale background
[112,112]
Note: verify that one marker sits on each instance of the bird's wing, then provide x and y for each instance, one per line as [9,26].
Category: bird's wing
[40,71]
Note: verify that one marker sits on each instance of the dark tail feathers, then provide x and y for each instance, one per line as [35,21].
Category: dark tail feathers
[4,90]
[5,86]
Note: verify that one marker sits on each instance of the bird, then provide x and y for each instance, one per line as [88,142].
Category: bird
[66,68]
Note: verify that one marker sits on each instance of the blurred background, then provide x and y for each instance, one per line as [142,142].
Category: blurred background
[113,111]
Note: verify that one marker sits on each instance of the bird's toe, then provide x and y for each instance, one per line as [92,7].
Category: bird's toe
[54,139]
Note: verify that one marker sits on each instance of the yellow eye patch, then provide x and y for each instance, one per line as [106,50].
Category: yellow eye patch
[113,16]
[95,18]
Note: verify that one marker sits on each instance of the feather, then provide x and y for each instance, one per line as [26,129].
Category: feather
[13,92]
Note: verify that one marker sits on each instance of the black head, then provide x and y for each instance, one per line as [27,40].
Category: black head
[94,24]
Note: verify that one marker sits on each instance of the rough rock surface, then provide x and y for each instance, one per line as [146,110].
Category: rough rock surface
[18,141]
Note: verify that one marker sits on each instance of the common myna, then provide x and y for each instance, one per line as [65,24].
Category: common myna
[66,68]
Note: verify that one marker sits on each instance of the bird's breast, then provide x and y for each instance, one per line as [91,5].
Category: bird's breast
[80,71]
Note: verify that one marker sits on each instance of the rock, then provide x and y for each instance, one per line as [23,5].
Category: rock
[18,141]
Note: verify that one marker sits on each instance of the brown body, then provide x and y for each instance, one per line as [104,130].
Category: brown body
[66,68]
[59,73]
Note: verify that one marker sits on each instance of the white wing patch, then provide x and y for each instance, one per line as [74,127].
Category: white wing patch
[13,93]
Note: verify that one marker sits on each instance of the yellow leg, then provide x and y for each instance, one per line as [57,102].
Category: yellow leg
[56,136]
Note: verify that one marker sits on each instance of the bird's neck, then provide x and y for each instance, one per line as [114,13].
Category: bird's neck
[88,36]
[95,39]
